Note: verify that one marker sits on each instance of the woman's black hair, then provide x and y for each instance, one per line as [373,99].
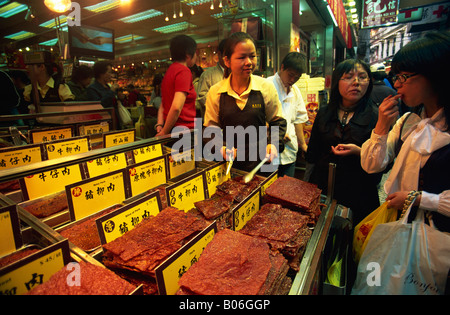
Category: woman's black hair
[428,56]
[101,67]
[230,45]
[342,68]
[181,46]
[81,73]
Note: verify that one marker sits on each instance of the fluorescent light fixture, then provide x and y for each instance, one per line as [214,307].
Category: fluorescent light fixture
[127,38]
[352,3]
[20,35]
[12,9]
[52,24]
[195,2]
[174,27]
[332,15]
[141,16]
[353,10]
[51,42]
[103,6]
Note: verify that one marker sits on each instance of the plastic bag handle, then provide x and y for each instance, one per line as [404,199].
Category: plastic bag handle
[408,205]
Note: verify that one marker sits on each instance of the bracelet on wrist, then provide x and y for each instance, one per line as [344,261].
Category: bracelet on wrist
[158,125]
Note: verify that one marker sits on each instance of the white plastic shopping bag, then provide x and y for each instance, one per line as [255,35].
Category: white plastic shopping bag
[404,259]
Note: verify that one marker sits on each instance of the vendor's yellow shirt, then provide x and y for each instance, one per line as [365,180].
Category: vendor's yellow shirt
[64,91]
[272,103]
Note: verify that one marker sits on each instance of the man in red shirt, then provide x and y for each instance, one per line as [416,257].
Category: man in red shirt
[177,91]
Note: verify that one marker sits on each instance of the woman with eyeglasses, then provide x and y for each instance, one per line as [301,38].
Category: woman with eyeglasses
[339,130]
[420,144]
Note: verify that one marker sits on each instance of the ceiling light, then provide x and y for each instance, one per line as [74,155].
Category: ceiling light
[149,14]
[12,9]
[353,10]
[127,39]
[59,6]
[352,3]
[192,11]
[174,27]
[181,11]
[20,35]
[212,5]
[220,4]
[52,23]
[103,6]
[51,42]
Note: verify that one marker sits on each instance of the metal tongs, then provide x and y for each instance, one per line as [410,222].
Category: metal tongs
[230,162]
[247,178]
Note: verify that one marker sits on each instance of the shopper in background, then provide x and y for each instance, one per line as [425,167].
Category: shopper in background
[210,77]
[20,80]
[246,100]
[177,91]
[196,72]
[155,98]
[100,90]
[81,79]
[134,95]
[50,84]
[423,162]
[10,98]
[380,89]
[339,130]
[294,110]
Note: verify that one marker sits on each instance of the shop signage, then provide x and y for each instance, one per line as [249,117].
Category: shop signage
[181,163]
[169,272]
[111,139]
[267,182]
[147,153]
[246,210]
[185,193]
[106,164]
[124,219]
[338,10]
[93,128]
[9,230]
[62,148]
[94,194]
[147,175]
[51,134]
[21,156]
[25,274]
[45,183]
[216,175]
[378,13]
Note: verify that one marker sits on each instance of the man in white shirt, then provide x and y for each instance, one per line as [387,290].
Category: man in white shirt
[294,110]
[209,77]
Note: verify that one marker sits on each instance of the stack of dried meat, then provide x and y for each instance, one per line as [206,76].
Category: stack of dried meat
[283,229]
[93,280]
[228,194]
[296,195]
[236,264]
[137,253]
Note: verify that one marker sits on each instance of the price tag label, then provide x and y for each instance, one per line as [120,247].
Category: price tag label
[170,271]
[181,163]
[9,230]
[92,129]
[147,153]
[94,194]
[246,210]
[267,182]
[215,176]
[117,223]
[45,183]
[112,139]
[106,164]
[10,158]
[58,149]
[22,276]
[147,175]
[46,135]
[185,193]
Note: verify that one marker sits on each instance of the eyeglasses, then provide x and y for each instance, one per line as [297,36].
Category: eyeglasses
[402,77]
[362,78]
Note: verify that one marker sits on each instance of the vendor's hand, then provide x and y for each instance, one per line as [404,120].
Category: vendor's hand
[286,139]
[397,199]
[387,114]
[226,153]
[271,152]
[346,149]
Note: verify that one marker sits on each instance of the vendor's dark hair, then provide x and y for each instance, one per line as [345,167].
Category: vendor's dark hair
[230,45]
[342,68]
[81,73]
[428,56]
[182,45]
[294,61]
[101,67]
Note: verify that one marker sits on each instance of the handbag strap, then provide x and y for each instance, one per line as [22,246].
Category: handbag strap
[409,201]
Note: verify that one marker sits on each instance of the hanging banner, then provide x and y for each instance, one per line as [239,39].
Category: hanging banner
[338,10]
[378,13]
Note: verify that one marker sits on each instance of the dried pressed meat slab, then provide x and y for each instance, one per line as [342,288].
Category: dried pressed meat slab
[152,241]
[94,280]
[235,264]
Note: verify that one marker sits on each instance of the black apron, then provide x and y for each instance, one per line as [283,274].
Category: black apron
[52,94]
[253,114]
